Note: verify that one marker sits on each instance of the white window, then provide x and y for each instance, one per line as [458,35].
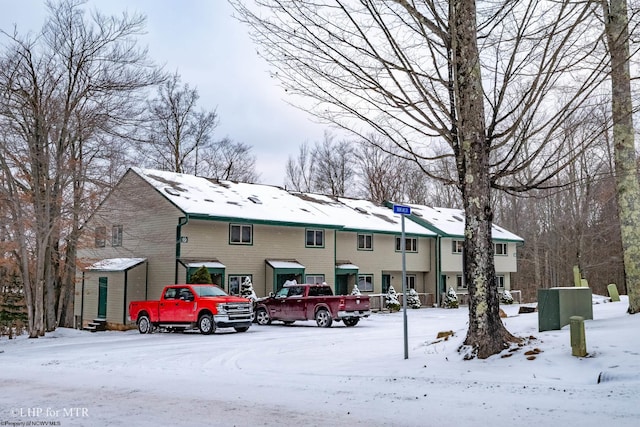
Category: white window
[240,234]
[500,281]
[457,246]
[116,235]
[235,282]
[460,282]
[314,278]
[101,235]
[410,244]
[365,282]
[315,238]
[411,281]
[365,242]
[500,249]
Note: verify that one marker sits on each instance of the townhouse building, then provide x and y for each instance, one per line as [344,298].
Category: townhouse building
[156,228]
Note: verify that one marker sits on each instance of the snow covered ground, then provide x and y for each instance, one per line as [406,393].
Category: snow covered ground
[302,375]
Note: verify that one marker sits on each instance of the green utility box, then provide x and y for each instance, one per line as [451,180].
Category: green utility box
[557,305]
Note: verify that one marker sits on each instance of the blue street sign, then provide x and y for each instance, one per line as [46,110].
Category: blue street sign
[400,209]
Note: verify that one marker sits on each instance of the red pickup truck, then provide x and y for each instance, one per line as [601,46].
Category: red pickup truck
[181,307]
[306,302]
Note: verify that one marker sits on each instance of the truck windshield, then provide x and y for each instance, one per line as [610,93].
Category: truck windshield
[209,291]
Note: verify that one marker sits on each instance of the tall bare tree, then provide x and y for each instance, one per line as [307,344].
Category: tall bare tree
[64,92]
[616,23]
[329,167]
[300,170]
[176,132]
[487,87]
[228,160]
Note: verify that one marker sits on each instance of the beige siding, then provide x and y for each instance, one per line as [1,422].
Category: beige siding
[210,240]
[453,262]
[384,259]
[149,230]
[507,263]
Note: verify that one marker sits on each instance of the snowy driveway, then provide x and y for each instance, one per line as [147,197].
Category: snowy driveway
[302,375]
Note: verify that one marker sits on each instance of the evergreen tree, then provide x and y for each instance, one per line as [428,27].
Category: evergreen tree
[392,300]
[201,276]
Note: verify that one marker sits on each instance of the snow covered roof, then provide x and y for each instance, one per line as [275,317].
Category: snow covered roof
[258,202]
[451,222]
[228,200]
[347,266]
[115,264]
[284,264]
[206,264]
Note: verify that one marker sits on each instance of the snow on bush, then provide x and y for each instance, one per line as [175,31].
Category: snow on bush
[506,297]
[413,300]
[451,299]
[246,290]
[355,290]
[392,302]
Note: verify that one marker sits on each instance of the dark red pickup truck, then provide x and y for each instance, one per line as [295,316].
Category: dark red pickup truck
[307,302]
[181,307]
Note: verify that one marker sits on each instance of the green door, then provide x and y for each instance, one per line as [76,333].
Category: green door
[386,283]
[102,297]
[341,284]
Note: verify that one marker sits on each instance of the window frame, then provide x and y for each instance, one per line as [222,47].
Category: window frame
[241,228]
[457,246]
[364,246]
[316,232]
[316,276]
[502,245]
[500,281]
[241,277]
[116,235]
[410,245]
[411,278]
[100,236]
[460,282]
[366,276]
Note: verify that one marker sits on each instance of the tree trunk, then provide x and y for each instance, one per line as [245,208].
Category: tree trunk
[486,335]
[627,188]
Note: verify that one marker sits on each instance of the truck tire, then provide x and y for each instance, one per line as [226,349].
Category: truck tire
[241,328]
[262,317]
[351,321]
[206,324]
[323,318]
[144,324]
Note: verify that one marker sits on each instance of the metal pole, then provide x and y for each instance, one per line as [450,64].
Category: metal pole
[404,290]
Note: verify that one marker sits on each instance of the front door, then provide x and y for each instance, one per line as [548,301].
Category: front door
[342,284]
[102,297]
[386,283]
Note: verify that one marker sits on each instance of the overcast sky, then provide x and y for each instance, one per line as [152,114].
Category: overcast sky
[212,51]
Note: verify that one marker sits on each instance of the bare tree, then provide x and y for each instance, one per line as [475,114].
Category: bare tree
[382,172]
[334,166]
[176,133]
[228,160]
[328,168]
[616,24]
[64,92]
[300,170]
[488,88]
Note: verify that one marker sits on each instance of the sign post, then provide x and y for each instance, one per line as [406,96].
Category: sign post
[403,210]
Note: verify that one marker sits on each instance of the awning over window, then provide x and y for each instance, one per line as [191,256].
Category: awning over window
[116,264]
[346,267]
[279,264]
[206,264]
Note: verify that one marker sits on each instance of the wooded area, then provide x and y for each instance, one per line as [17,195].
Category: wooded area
[504,109]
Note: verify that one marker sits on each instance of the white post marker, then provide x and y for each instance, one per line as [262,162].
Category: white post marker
[403,210]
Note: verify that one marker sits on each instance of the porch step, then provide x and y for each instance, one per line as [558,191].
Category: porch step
[96,325]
